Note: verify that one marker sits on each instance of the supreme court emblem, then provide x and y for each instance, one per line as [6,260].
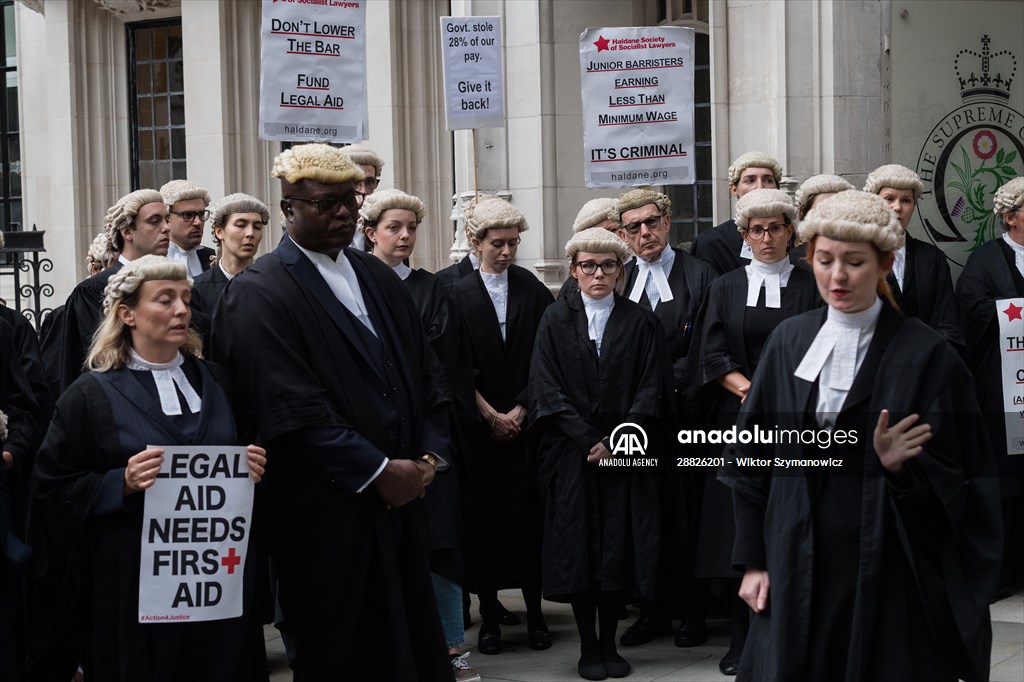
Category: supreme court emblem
[970,153]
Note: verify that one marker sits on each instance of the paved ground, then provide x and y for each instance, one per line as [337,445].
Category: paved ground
[660,660]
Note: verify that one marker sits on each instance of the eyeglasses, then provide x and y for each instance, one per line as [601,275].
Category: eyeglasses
[330,206]
[651,223]
[608,267]
[189,216]
[773,231]
[369,183]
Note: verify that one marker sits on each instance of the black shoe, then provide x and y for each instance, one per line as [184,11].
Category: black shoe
[691,632]
[506,617]
[540,639]
[616,665]
[644,630]
[591,669]
[730,664]
[489,640]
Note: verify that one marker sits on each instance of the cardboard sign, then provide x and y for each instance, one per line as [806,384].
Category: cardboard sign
[474,94]
[195,535]
[637,86]
[1011,351]
[313,71]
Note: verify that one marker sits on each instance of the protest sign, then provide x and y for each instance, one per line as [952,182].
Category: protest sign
[637,87]
[195,535]
[1011,352]
[474,94]
[313,71]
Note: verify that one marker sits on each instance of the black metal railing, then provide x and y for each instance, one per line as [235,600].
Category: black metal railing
[21,261]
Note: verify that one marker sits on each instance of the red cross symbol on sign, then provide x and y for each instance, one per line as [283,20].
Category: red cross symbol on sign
[231,560]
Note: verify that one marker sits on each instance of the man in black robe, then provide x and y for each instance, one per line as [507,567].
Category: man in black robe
[136,226]
[995,271]
[722,246]
[187,212]
[672,284]
[333,369]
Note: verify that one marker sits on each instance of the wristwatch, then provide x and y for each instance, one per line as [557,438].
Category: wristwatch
[430,459]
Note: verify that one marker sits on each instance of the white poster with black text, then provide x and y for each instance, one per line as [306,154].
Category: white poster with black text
[313,71]
[637,87]
[195,535]
[1011,351]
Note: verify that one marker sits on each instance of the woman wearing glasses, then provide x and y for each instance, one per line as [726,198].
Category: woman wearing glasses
[743,308]
[870,542]
[503,304]
[596,365]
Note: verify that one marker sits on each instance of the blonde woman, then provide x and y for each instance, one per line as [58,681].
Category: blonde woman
[146,384]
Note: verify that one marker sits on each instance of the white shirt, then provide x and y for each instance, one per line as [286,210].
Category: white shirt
[598,311]
[342,280]
[225,272]
[122,260]
[497,289]
[402,270]
[189,258]
[835,356]
[899,265]
[652,277]
[772,276]
[167,375]
[474,261]
[359,241]
[1018,252]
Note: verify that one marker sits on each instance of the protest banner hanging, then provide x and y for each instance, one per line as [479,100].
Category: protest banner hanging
[637,87]
[195,535]
[474,92]
[1010,312]
[313,71]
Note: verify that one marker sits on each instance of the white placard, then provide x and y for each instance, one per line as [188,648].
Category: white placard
[637,86]
[1010,312]
[474,91]
[195,535]
[313,71]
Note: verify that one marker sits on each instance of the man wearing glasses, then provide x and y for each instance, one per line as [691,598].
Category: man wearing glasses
[186,204]
[673,284]
[330,362]
[371,165]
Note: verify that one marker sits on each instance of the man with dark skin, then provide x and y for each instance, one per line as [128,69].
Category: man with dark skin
[336,375]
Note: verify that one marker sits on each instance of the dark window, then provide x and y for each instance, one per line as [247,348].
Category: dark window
[691,204]
[157,102]
[10,149]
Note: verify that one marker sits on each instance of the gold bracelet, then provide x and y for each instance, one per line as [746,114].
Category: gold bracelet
[429,459]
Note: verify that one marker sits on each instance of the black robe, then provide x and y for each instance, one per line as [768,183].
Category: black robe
[720,247]
[88,536]
[67,343]
[444,507]
[927,291]
[903,565]
[206,256]
[454,272]
[689,280]
[206,291]
[502,541]
[990,275]
[330,401]
[601,524]
[26,341]
[721,347]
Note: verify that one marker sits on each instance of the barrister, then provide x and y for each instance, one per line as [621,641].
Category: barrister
[334,369]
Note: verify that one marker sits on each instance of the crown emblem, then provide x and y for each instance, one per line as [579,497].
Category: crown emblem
[986,73]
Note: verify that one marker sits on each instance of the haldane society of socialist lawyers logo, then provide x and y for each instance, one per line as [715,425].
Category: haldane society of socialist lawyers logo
[970,153]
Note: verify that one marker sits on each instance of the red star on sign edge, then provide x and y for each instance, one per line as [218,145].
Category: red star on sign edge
[602,43]
[1013,312]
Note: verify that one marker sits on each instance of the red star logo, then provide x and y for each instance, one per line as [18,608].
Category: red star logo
[1013,312]
[602,43]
